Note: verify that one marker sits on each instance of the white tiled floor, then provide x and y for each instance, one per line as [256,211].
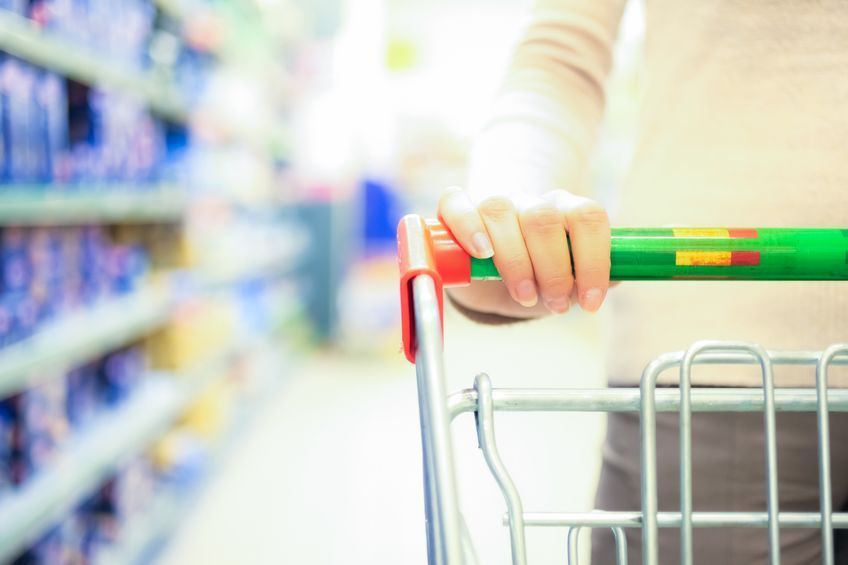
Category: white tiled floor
[330,471]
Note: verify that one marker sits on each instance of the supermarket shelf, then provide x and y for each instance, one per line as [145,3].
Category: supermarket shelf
[80,337]
[21,37]
[36,205]
[88,461]
[264,267]
[171,506]
[158,521]
[27,515]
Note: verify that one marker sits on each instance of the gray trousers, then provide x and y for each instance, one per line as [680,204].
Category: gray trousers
[728,470]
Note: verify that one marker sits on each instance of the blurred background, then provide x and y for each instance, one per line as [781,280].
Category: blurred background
[199,330]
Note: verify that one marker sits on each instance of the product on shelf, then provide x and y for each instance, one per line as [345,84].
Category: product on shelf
[118,29]
[101,522]
[15,6]
[24,127]
[119,373]
[112,138]
[98,137]
[39,426]
[57,134]
[35,424]
[199,328]
[46,272]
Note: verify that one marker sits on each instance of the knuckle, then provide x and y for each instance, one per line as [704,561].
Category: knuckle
[541,218]
[595,272]
[513,265]
[557,285]
[590,214]
[496,207]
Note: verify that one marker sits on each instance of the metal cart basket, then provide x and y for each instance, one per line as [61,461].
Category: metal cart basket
[431,260]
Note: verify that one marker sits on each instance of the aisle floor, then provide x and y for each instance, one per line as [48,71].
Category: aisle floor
[329,473]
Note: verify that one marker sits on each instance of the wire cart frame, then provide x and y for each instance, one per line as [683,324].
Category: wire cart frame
[448,540]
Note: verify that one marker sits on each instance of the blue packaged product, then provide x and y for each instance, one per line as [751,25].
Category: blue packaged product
[38,128]
[17,81]
[13,238]
[97,107]
[49,549]
[17,272]
[40,452]
[53,98]
[69,249]
[60,265]
[7,424]
[15,269]
[7,323]
[5,118]
[119,373]
[41,415]
[74,538]
[16,6]
[70,296]
[81,401]
[16,439]
[9,307]
[138,265]
[3,111]
[41,295]
[127,265]
[25,313]
[38,255]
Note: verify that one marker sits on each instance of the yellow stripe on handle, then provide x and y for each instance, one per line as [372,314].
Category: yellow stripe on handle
[703,259]
[701,232]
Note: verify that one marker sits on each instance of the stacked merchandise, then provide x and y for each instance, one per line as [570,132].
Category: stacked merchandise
[96,526]
[47,272]
[120,29]
[94,444]
[37,423]
[57,133]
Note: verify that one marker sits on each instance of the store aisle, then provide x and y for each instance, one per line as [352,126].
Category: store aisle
[329,473]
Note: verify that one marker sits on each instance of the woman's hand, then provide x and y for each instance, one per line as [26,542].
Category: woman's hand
[527,238]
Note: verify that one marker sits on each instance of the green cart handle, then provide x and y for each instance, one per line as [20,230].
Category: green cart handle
[765,254]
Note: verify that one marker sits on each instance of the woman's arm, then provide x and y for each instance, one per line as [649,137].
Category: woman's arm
[527,177]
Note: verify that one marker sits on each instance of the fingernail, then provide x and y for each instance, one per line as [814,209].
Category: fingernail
[482,245]
[525,293]
[592,299]
[558,305]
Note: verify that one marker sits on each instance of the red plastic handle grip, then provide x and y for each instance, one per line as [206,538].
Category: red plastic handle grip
[426,247]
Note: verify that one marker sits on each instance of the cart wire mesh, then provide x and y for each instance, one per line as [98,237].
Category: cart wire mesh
[448,539]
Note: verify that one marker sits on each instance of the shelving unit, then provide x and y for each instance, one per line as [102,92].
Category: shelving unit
[126,214]
[91,459]
[36,205]
[81,336]
[23,38]
[160,519]
[265,266]
[172,505]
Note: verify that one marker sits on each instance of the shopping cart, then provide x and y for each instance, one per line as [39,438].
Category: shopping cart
[430,260]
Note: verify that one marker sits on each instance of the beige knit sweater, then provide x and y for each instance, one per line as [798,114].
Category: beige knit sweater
[744,122]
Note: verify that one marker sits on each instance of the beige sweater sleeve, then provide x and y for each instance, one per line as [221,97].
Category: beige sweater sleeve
[545,118]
